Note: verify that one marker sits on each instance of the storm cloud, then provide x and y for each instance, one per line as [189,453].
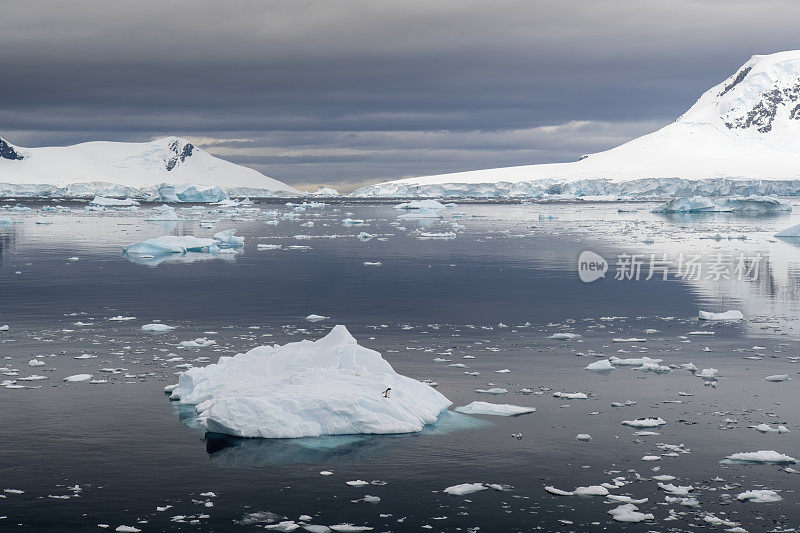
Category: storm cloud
[346,93]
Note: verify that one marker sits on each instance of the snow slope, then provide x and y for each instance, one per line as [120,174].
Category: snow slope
[129,169]
[741,137]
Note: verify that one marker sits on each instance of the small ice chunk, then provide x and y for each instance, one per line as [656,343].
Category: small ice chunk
[646,422]
[563,336]
[725,316]
[465,488]
[629,513]
[157,328]
[78,377]
[603,365]
[571,395]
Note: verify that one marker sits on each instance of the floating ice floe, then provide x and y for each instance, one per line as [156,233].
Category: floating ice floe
[465,488]
[629,513]
[423,235]
[499,409]
[766,428]
[563,336]
[78,377]
[182,244]
[200,342]
[633,361]
[777,378]
[763,456]
[733,314]
[494,390]
[331,386]
[228,239]
[316,318]
[647,422]
[157,327]
[571,395]
[603,365]
[759,496]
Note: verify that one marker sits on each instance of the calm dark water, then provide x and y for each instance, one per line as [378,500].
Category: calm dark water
[495,292]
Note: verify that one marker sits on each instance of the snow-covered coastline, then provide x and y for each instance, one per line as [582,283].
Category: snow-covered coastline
[170,169]
[739,138]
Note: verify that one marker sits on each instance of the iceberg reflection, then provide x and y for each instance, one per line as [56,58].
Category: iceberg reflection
[234,452]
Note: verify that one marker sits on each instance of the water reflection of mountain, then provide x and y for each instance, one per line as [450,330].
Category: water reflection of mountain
[8,238]
[233,452]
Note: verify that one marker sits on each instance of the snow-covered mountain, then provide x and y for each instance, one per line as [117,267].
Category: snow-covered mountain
[741,137]
[167,169]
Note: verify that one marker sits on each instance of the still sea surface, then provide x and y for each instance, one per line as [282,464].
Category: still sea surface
[489,281]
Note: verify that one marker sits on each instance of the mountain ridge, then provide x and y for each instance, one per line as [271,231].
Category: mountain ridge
[745,129]
[98,167]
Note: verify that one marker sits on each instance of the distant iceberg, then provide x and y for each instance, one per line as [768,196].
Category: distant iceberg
[331,386]
[325,192]
[735,204]
[113,202]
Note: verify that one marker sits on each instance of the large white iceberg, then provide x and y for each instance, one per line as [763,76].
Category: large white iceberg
[331,386]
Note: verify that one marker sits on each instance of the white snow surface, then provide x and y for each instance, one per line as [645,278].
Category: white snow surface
[121,169]
[331,386]
[740,138]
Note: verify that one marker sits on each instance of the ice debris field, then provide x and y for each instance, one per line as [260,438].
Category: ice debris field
[652,420]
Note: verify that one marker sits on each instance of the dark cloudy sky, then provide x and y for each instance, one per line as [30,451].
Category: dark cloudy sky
[346,93]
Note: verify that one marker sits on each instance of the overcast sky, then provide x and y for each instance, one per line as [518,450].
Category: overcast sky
[346,93]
